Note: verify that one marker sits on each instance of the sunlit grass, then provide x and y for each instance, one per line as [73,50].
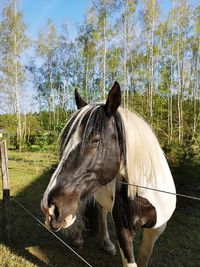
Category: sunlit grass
[31,245]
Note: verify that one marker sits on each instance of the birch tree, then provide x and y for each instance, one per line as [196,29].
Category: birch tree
[127,31]
[150,17]
[13,41]
[182,23]
[103,9]
[196,72]
[47,44]
[88,43]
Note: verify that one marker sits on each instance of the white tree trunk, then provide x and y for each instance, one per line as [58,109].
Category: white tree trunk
[125,97]
[170,94]
[180,116]
[16,86]
[195,91]
[104,58]
[152,66]
[86,77]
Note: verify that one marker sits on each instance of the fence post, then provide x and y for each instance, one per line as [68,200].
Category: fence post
[6,192]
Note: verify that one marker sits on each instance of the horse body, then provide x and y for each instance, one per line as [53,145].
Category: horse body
[102,151]
[147,166]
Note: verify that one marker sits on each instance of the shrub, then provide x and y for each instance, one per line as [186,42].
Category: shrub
[176,153]
[194,148]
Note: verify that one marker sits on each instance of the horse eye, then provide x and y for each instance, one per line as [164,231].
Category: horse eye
[95,140]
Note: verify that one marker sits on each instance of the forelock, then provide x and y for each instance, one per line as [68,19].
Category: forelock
[93,120]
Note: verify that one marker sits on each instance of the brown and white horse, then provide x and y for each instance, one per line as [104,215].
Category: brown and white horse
[103,148]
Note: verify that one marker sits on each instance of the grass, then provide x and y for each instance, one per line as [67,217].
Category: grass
[31,245]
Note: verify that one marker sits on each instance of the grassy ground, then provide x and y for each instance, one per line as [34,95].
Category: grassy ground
[31,245]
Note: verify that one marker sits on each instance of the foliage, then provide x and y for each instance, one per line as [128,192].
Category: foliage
[176,154]
[155,59]
[194,149]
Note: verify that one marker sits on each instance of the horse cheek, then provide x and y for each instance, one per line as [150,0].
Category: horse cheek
[111,165]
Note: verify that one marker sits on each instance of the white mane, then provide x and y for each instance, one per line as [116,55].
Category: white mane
[146,163]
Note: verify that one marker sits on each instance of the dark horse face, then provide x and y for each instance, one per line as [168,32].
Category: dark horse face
[91,150]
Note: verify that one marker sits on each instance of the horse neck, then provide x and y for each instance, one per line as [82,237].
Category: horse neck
[144,157]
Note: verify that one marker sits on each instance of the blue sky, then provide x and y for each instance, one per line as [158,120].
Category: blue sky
[36,13]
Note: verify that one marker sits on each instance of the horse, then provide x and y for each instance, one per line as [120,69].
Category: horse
[112,154]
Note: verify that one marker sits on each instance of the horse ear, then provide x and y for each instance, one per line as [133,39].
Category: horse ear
[113,100]
[80,103]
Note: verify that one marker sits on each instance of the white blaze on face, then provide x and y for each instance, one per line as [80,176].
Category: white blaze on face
[74,140]
[71,145]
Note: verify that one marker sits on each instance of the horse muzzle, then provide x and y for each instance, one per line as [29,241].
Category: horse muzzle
[69,220]
[55,225]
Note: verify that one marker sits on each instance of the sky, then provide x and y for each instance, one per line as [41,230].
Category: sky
[37,12]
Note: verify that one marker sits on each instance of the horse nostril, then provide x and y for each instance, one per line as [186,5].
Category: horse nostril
[55,229]
[54,226]
[56,212]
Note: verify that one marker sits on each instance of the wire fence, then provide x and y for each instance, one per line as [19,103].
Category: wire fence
[50,166]
[160,191]
[47,168]
[69,247]
[64,243]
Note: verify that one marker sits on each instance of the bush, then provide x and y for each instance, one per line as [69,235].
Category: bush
[52,138]
[34,148]
[45,141]
[194,149]
[176,153]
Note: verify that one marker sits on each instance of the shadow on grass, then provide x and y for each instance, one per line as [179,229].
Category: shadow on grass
[177,247]
[33,242]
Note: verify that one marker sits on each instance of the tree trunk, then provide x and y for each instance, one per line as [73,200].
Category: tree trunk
[195,92]
[170,94]
[180,101]
[125,96]
[152,66]
[104,58]
[16,87]
[86,76]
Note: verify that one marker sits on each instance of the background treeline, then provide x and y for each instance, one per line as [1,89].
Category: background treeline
[154,54]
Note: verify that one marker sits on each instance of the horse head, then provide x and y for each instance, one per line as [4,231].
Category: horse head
[91,153]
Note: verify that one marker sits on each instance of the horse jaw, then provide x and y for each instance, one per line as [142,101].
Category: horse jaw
[69,220]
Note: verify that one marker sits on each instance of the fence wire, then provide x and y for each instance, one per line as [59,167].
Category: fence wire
[160,191]
[121,182]
[64,243]
[45,168]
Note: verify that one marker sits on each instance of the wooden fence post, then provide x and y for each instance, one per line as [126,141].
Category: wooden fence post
[6,192]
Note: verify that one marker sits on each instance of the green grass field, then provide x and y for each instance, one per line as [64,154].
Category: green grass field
[31,245]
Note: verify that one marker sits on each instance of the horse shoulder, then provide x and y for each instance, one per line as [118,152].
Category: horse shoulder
[105,195]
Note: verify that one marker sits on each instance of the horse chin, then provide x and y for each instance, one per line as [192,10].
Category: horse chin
[69,220]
